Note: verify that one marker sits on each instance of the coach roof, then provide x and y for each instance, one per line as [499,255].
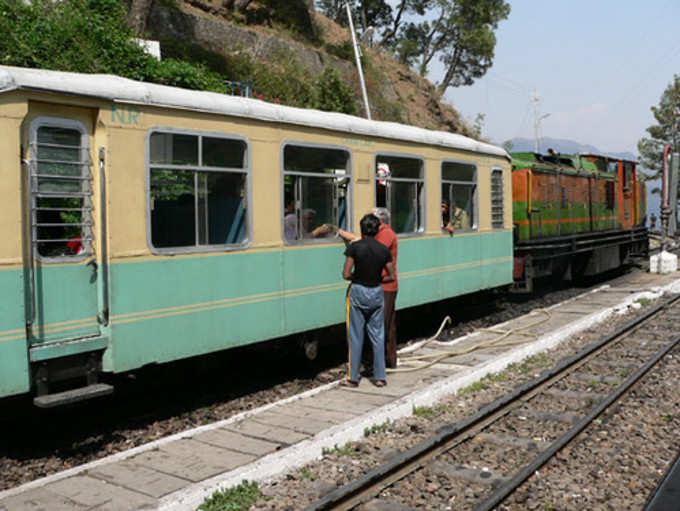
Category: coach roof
[124,90]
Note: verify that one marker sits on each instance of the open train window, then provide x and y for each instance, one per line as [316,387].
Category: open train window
[198,191]
[61,190]
[497,217]
[316,189]
[459,192]
[399,187]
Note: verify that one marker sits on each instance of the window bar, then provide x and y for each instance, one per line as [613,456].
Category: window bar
[196,233]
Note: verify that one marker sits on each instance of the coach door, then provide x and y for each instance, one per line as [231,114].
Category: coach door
[63,269]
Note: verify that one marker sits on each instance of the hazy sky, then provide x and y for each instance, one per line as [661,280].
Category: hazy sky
[597,65]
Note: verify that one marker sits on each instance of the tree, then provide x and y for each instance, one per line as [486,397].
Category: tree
[366,13]
[462,35]
[667,115]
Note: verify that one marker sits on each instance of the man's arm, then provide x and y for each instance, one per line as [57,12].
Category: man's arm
[348,236]
[347,269]
[390,276]
[449,228]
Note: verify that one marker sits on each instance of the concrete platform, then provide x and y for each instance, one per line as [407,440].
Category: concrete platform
[178,472]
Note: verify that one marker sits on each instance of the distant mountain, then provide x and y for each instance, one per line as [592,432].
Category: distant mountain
[563,146]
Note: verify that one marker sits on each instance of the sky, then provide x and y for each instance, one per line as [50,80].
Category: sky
[597,66]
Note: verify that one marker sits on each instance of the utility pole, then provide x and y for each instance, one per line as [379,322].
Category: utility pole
[357,54]
[535,98]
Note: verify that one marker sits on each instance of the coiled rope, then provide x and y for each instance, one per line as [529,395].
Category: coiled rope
[428,360]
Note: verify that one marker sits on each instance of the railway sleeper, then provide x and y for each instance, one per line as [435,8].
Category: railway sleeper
[67,380]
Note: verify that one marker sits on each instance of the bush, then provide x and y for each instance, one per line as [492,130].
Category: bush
[332,94]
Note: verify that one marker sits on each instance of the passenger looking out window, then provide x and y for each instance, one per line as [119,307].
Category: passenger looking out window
[316,191]
[399,187]
[459,193]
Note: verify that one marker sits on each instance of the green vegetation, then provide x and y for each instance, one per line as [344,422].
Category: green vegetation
[527,366]
[238,498]
[91,36]
[378,428]
[305,473]
[346,450]
[460,33]
[643,301]
[87,36]
[664,132]
[428,412]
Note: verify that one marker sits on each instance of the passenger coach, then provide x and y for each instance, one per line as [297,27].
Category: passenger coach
[143,224]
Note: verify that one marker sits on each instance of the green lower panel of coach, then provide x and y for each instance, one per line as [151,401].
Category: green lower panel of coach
[13,349]
[175,308]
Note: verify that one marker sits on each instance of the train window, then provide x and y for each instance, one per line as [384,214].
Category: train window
[459,191]
[316,187]
[497,220]
[627,175]
[609,194]
[60,190]
[399,187]
[198,191]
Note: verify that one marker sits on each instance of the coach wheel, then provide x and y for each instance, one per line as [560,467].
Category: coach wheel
[311,348]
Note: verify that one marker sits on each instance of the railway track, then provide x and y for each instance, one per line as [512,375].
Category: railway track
[483,459]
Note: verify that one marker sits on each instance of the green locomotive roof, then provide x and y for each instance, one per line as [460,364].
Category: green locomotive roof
[555,162]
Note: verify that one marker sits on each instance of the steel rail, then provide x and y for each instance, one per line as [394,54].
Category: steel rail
[446,437]
[513,483]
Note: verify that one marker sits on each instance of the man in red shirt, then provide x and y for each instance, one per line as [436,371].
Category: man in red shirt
[387,237]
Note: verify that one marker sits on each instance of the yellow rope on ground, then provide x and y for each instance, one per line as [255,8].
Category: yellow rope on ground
[434,358]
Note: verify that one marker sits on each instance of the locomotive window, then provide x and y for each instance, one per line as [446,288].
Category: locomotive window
[60,190]
[609,194]
[459,191]
[316,187]
[198,191]
[627,175]
[497,199]
[399,187]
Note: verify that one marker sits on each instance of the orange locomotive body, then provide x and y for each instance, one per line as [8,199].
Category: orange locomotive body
[575,215]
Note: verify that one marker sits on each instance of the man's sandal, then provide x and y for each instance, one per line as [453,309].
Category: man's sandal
[349,383]
[380,383]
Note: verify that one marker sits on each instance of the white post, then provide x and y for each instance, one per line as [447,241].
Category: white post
[357,54]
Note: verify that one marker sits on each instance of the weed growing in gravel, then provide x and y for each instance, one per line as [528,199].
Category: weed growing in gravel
[305,473]
[667,418]
[428,412]
[474,387]
[238,498]
[643,301]
[346,450]
[549,506]
[378,428]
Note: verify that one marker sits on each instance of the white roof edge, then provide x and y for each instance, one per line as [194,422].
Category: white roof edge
[124,90]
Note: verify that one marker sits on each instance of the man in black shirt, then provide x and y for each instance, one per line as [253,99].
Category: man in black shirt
[365,299]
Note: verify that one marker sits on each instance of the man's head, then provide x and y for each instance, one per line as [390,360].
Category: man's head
[445,206]
[383,215]
[369,225]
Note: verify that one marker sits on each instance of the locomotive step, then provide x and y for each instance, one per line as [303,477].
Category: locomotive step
[73,395]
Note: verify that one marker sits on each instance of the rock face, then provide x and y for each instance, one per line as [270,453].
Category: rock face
[225,38]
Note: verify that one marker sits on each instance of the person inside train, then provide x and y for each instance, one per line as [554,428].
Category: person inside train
[458,219]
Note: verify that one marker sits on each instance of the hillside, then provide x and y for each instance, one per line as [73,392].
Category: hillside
[261,44]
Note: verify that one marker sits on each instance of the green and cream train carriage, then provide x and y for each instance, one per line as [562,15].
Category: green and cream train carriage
[143,224]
